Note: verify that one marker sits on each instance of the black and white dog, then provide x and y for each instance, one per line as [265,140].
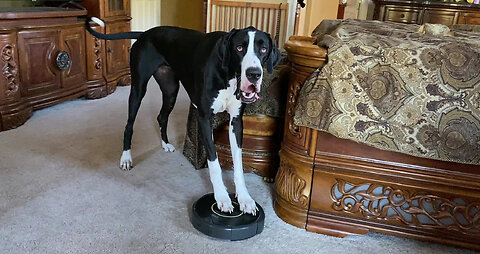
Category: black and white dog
[220,72]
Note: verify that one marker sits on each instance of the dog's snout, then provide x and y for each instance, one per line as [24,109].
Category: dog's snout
[253,74]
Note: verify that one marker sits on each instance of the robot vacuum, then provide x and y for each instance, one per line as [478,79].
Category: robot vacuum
[208,219]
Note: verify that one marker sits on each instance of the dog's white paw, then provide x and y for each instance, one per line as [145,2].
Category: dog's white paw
[126,160]
[247,204]
[167,147]
[223,202]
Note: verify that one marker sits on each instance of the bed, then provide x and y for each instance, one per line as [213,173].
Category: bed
[384,136]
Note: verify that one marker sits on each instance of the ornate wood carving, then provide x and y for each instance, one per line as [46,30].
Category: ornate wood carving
[419,210]
[9,70]
[124,81]
[96,93]
[292,102]
[290,186]
[97,51]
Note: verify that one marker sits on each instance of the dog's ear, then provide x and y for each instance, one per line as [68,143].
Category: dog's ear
[273,56]
[225,49]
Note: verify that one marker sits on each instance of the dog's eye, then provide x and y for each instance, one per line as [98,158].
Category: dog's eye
[263,50]
[239,48]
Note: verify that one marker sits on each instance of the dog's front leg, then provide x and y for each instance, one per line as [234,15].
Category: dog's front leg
[220,191]
[235,134]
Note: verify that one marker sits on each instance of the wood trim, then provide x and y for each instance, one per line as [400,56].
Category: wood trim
[42,14]
[293,187]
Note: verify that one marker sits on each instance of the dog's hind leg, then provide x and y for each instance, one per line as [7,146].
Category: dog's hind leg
[143,64]
[169,85]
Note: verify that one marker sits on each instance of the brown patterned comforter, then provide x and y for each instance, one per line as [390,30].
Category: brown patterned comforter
[390,87]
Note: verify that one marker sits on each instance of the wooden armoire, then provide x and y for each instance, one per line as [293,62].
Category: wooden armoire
[116,15]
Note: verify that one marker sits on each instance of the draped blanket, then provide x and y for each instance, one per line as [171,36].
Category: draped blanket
[388,86]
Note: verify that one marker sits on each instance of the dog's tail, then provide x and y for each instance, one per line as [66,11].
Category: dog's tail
[117,36]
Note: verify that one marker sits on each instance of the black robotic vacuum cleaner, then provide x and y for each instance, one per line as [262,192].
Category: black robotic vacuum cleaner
[208,219]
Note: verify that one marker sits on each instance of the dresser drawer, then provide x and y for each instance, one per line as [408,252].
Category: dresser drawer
[469,18]
[439,16]
[403,15]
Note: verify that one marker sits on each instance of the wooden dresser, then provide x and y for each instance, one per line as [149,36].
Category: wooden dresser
[116,15]
[47,57]
[420,12]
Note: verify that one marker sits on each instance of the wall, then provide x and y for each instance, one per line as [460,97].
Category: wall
[361,9]
[366,9]
[314,12]
[145,14]
[182,13]
[351,10]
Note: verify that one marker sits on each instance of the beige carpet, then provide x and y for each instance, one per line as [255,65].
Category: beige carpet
[61,190]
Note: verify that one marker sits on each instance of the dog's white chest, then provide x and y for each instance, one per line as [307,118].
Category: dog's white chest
[226,99]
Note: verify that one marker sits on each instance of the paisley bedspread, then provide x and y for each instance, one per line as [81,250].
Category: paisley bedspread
[388,86]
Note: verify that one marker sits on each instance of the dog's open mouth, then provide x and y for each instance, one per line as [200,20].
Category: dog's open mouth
[249,97]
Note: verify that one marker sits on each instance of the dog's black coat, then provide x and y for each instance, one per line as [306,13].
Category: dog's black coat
[203,62]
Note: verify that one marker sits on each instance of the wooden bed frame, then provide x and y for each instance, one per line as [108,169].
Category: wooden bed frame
[339,187]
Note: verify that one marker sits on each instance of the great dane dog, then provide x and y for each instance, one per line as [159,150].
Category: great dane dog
[220,71]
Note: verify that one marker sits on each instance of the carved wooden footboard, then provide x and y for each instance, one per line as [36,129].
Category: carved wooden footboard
[339,187]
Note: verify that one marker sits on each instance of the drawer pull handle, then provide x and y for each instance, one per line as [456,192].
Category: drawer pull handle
[63,60]
[402,15]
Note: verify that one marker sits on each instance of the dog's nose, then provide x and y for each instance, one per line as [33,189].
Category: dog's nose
[253,74]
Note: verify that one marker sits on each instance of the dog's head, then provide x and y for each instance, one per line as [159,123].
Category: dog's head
[246,52]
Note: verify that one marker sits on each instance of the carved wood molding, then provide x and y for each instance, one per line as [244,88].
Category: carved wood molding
[9,70]
[14,120]
[291,103]
[124,81]
[97,51]
[96,93]
[290,186]
[418,210]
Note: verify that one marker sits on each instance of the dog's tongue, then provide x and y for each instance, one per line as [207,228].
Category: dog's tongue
[256,96]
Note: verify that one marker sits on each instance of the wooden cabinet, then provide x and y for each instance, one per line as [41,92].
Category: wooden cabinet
[48,57]
[400,14]
[52,61]
[469,18]
[13,109]
[116,15]
[437,16]
[37,58]
[42,58]
[420,12]
[117,8]
[118,51]
[73,46]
